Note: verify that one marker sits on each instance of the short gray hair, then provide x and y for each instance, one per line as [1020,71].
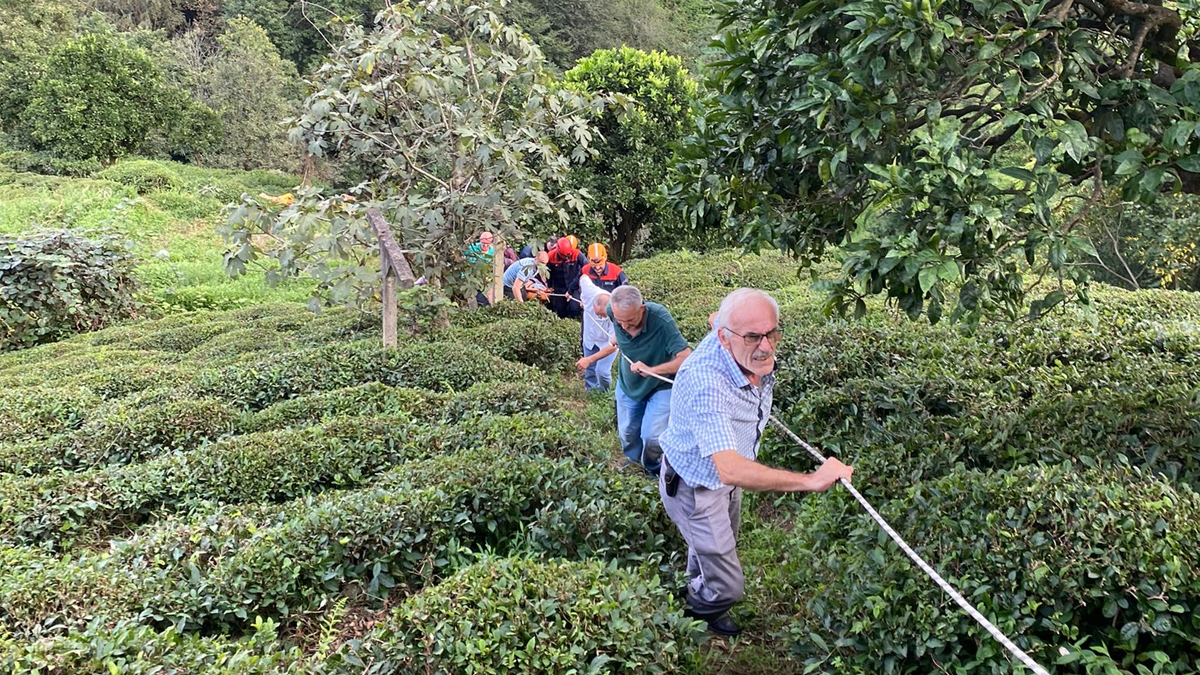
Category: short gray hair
[739,296]
[602,297]
[626,298]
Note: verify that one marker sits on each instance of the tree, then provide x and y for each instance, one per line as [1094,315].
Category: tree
[947,147]
[632,159]
[99,98]
[242,78]
[452,118]
[299,28]
[28,31]
[568,30]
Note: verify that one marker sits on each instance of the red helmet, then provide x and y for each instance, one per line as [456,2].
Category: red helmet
[564,247]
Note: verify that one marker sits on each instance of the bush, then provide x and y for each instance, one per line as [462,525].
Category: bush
[907,401]
[48,164]
[39,412]
[342,452]
[124,434]
[532,616]
[502,311]
[99,99]
[419,523]
[1091,562]
[142,175]
[53,283]
[437,366]
[671,276]
[550,346]
[270,466]
[373,398]
[140,650]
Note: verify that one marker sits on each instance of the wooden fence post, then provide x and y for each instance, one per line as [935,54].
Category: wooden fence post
[396,270]
[498,268]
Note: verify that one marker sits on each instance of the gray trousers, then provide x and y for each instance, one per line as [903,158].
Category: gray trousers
[708,520]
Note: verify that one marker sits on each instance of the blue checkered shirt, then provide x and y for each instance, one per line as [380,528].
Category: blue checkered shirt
[714,407]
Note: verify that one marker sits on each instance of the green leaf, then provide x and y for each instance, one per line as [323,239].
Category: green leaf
[1129,162]
[1019,173]
[928,277]
[1190,163]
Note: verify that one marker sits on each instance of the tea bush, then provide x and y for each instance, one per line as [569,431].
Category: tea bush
[673,275]
[909,401]
[127,432]
[133,649]
[1099,563]
[437,366]
[268,466]
[419,523]
[531,616]
[143,175]
[549,345]
[38,412]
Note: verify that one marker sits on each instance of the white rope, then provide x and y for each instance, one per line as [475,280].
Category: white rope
[937,578]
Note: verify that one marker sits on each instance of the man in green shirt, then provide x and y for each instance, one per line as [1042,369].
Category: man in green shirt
[648,336]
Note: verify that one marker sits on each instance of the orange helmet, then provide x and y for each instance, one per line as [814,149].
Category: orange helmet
[597,254]
[574,242]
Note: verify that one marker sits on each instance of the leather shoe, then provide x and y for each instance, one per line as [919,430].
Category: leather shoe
[721,624]
[724,625]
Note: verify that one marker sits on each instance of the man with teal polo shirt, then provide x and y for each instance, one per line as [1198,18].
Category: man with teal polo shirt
[646,334]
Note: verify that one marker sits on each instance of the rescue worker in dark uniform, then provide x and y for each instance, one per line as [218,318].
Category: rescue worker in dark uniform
[566,265]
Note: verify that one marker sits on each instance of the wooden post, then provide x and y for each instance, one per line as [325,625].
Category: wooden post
[498,268]
[395,269]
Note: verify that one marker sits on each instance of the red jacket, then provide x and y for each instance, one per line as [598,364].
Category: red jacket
[608,279]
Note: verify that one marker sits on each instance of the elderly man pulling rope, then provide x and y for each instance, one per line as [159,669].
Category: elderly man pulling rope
[720,407]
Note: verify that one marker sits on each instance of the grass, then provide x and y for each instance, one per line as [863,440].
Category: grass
[173,230]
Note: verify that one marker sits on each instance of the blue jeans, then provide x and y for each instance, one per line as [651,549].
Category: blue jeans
[598,376]
[639,424]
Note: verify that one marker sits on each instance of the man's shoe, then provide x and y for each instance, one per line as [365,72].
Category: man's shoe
[724,625]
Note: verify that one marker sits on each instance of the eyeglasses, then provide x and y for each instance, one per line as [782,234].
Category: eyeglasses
[754,339]
[597,261]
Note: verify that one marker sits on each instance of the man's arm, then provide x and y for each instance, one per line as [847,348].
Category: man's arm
[595,358]
[671,367]
[733,469]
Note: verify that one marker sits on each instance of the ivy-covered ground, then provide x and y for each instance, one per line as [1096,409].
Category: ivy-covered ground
[262,490]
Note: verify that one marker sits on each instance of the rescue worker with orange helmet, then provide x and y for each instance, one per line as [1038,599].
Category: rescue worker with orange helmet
[607,276]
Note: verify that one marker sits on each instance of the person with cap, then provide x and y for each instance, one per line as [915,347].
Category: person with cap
[523,278]
[599,346]
[719,410]
[566,265]
[647,336]
[604,274]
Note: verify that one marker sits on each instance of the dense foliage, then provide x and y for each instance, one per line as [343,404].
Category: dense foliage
[947,148]
[456,127]
[53,283]
[1097,563]
[535,617]
[637,138]
[99,99]
[1148,245]
[271,476]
